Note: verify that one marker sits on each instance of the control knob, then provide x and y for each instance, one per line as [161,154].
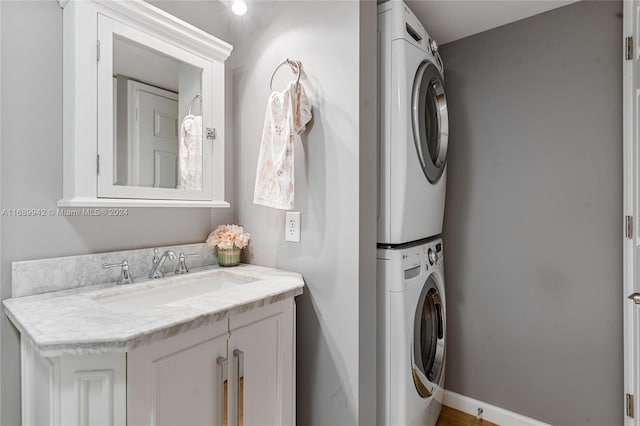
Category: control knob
[433,45]
[433,256]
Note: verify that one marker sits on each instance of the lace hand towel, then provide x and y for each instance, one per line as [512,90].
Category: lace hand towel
[190,153]
[288,113]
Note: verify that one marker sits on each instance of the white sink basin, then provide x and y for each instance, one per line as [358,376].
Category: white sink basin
[160,293]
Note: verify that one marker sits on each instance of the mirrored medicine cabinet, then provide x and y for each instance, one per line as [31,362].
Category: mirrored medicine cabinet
[143,108]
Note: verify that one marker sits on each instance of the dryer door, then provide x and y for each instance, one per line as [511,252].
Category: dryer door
[430,120]
[428,339]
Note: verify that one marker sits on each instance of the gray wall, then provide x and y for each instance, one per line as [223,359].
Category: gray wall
[335,193]
[31,174]
[534,205]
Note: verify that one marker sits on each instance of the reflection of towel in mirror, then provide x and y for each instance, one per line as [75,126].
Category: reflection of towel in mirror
[190,153]
[286,118]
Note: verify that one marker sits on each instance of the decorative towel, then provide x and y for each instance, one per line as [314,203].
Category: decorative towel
[287,115]
[190,153]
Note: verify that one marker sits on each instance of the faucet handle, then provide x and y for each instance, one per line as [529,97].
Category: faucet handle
[125,276]
[124,264]
[181,268]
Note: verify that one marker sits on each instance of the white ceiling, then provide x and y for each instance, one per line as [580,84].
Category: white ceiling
[445,20]
[449,20]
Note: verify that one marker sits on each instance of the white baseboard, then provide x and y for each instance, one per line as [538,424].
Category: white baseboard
[490,412]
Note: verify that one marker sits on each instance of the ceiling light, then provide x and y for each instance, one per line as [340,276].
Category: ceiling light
[239,7]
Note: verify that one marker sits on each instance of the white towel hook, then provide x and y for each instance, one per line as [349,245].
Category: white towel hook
[296,67]
[194,99]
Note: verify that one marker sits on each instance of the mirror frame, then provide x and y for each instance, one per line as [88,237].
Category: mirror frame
[83,119]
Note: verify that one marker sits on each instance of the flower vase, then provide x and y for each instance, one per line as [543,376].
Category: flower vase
[228,257]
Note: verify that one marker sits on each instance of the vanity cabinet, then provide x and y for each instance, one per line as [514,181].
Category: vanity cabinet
[237,371]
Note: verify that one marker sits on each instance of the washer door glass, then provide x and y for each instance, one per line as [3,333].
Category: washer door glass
[428,340]
[430,120]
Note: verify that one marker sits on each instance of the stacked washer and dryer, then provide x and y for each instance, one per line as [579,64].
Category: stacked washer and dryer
[412,181]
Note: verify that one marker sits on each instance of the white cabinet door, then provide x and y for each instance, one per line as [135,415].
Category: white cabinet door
[178,381]
[261,369]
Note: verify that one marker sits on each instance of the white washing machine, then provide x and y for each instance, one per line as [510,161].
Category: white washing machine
[414,129]
[412,334]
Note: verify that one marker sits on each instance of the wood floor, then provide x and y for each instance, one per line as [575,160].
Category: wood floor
[451,417]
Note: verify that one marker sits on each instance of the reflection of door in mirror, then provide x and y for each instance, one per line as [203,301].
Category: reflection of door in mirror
[153,94]
[155,137]
[146,147]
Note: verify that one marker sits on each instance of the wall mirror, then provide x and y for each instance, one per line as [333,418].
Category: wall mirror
[157,138]
[157,135]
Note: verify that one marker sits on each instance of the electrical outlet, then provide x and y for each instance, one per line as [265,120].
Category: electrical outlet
[292,227]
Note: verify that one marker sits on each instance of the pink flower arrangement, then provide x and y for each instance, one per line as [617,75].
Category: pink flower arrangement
[228,237]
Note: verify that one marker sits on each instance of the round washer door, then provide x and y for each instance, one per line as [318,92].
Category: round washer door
[428,339]
[430,120]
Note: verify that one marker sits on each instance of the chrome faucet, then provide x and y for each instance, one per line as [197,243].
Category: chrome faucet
[125,277]
[158,262]
[181,267]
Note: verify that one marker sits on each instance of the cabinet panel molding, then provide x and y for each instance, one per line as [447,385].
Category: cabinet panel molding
[92,390]
[94,397]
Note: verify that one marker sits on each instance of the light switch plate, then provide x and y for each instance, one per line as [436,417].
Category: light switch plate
[292,227]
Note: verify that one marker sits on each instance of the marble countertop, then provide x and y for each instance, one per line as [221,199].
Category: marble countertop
[91,320]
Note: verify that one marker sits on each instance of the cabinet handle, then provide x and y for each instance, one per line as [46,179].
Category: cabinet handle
[240,384]
[224,371]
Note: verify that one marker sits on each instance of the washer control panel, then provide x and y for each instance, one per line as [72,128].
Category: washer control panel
[420,259]
[435,255]
[413,262]
[440,254]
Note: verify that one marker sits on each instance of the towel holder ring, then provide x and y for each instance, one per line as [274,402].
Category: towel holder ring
[296,67]
[194,99]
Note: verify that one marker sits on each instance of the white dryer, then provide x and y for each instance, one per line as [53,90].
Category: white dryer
[412,334]
[414,129]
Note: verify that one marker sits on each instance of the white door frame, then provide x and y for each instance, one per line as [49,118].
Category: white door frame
[1,370]
[631,312]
